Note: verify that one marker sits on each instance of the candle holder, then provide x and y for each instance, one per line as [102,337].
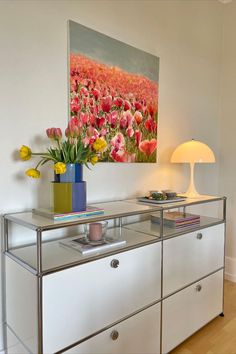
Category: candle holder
[95,232]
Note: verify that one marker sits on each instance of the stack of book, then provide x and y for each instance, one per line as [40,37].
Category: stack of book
[177,219]
[90,211]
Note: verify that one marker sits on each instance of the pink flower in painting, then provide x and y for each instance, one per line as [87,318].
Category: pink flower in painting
[85,101]
[84,91]
[148,146]
[138,137]
[130,132]
[127,105]
[138,117]
[75,107]
[112,118]
[138,106]
[91,135]
[92,119]
[118,102]
[100,121]
[106,103]
[74,121]
[118,155]
[121,155]
[150,125]
[123,122]
[96,93]
[103,132]
[84,117]
[118,141]
[91,102]
[126,120]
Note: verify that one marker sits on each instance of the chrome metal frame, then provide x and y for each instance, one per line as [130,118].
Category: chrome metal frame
[39,272]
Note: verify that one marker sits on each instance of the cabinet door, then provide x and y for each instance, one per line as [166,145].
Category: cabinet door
[81,300]
[138,334]
[191,256]
[190,309]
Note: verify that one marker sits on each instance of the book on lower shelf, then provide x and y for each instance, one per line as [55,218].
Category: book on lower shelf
[90,211]
[84,246]
[176,219]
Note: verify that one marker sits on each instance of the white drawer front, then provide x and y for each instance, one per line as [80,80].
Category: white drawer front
[189,309]
[84,299]
[139,334]
[187,258]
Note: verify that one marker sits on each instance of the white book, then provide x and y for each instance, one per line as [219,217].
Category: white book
[82,245]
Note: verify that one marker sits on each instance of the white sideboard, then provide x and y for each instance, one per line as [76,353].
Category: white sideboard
[144,297]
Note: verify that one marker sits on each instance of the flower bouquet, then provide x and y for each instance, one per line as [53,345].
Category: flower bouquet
[73,150]
[68,156]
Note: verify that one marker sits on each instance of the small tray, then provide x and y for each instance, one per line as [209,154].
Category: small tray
[153,201]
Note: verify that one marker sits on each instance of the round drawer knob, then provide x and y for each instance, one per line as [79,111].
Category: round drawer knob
[114,335]
[198,287]
[115,263]
[199,236]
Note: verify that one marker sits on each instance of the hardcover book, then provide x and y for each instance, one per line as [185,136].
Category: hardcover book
[90,211]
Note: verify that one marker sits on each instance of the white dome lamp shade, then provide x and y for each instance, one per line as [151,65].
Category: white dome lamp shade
[192,152]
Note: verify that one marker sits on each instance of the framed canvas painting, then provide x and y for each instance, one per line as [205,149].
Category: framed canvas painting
[113,95]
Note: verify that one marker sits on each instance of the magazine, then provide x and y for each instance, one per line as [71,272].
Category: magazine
[84,246]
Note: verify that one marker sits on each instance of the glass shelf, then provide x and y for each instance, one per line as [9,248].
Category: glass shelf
[35,241]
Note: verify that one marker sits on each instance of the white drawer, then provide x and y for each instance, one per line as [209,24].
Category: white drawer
[139,334]
[84,299]
[190,309]
[189,257]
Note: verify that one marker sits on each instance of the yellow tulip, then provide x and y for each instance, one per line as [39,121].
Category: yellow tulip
[94,159]
[32,172]
[99,145]
[59,168]
[25,153]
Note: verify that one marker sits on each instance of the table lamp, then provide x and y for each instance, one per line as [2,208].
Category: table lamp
[192,152]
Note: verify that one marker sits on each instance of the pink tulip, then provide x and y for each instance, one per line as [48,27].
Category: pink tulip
[138,137]
[74,107]
[118,102]
[106,103]
[103,132]
[127,106]
[148,146]
[130,132]
[100,121]
[112,118]
[84,91]
[96,94]
[54,133]
[138,106]
[57,134]
[50,133]
[150,124]
[118,141]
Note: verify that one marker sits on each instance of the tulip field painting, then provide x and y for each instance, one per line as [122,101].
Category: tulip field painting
[113,95]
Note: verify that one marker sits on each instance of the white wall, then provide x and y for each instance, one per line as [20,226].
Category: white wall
[228,129]
[33,88]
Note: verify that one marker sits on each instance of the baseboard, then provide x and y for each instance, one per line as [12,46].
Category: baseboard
[230,269]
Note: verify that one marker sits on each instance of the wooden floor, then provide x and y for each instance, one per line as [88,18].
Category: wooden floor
[219,336]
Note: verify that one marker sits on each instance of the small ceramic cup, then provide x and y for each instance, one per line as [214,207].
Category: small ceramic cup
[95,231]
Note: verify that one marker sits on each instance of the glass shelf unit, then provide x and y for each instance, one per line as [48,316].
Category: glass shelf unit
[35,241]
